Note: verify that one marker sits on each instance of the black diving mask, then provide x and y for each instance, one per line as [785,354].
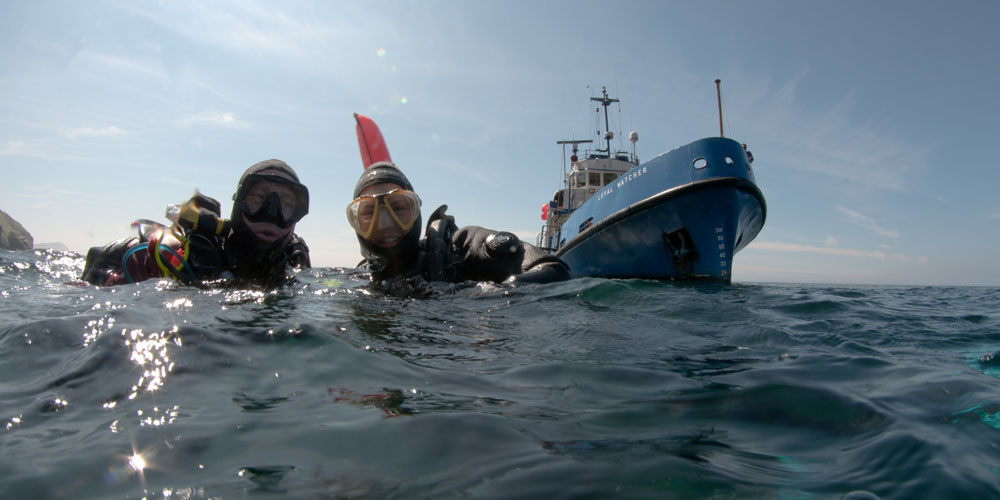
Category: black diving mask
[274,199]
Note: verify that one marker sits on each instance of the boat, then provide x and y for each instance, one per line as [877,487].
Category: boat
[682,215]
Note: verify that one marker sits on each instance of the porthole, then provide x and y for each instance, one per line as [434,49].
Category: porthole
[729,161]
[700,163]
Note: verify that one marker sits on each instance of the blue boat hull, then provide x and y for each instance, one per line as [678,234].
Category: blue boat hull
[668,218]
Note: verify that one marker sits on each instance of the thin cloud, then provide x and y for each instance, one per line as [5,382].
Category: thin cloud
[867,222]
[253,28]
[15,147]
[117,64]
[831,141]
[796,247]
[76,132]
[45,192]
[846,252]
[903,258]
[764,270]
[213,118]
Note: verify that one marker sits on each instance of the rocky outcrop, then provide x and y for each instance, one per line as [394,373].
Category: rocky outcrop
[13,236]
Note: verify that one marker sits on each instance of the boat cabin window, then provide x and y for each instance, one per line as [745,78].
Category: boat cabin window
[595,178]
[609,177]
[580,179]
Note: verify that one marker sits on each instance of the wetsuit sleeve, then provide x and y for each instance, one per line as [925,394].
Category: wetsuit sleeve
[104,264]
[539,266]
[486,255]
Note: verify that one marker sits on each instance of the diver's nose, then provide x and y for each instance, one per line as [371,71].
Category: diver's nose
[384,219]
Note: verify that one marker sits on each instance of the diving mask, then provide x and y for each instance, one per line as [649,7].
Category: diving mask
[274,199]
[401,206]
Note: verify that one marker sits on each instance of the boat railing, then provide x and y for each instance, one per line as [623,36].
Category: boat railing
[620,156]
[548,238]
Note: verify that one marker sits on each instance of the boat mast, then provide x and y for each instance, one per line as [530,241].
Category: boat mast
[605,101]
[718,95]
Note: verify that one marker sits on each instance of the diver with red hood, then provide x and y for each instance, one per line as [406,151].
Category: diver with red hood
[256,245]
[385,214]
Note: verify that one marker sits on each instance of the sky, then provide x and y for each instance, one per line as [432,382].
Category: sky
[870,122]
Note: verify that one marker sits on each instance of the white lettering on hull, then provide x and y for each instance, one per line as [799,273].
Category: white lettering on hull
[625,179]
[722,249]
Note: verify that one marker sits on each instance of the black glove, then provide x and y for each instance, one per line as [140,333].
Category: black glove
[487,255]
[439,257]
[204,215]
[202,225]
[547,272]
[539,266]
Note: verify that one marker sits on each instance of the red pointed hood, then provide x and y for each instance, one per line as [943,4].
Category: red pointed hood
[375,158]
[370,142]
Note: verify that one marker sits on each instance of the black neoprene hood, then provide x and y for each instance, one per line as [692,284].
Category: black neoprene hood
[379,173]
[404,257]
[274,165]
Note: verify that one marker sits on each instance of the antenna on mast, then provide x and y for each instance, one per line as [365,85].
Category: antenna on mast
[718,94]
[606,101]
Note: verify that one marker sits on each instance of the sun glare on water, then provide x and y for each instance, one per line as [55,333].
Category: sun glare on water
[137,462]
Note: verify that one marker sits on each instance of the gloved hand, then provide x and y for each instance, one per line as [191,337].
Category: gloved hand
[487,255]
[546,272]
[202,214]
[439,257]
[538,266]
[203,227]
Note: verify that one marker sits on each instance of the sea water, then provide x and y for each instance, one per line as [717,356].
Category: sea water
[590,388]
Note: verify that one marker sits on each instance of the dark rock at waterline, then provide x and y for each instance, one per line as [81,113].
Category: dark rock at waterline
[13,236]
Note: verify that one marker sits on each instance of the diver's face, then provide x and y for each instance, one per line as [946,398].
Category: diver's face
[268,232]
[386,233]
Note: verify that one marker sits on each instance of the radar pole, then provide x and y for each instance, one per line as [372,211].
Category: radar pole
[718,95]
[606,101]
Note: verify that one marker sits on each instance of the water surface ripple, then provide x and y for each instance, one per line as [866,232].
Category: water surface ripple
[590,388]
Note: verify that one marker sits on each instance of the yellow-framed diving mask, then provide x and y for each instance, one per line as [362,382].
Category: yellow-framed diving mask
[402,207]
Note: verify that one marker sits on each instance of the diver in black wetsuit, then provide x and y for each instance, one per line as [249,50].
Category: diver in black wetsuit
[386,216]
[256,245]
